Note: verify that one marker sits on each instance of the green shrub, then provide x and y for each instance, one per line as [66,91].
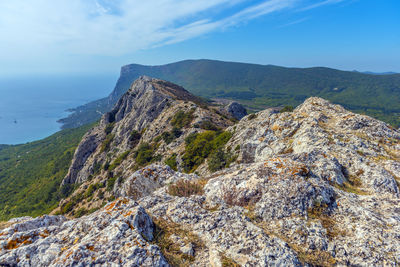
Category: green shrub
[183,119]
[110,183]
[106,165]
[183,188]
[68,207]
[109,128]
[200,146]
[96,168]
[171,161]
[252,116]
[118,160]
[168,137]
[219,160]
[144,154]
[287,109]
[66,190]
[134,137]
[208,125]
[105,146]
[91,189]
[80,212]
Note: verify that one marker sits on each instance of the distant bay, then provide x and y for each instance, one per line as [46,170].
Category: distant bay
[31,106]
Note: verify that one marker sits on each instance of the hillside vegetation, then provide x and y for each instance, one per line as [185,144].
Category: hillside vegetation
[31,174]
[261,86]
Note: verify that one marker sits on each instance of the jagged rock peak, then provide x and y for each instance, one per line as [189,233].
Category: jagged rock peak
[142,114]
[147,92]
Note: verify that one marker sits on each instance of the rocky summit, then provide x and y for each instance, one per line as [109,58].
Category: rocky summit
[166,179]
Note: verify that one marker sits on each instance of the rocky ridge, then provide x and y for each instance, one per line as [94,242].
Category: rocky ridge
[318,186]
[148,124]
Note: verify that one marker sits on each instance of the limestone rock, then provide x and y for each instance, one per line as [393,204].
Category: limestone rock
[236,110]
[119,234]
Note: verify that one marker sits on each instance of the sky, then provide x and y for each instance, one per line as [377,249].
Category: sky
[99,36]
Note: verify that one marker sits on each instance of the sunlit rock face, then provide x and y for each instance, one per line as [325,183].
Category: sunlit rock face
[314,187]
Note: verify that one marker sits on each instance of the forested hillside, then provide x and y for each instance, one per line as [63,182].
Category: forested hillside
[30,174]
[261,86]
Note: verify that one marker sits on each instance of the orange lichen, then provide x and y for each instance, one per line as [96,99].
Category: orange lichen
[110,206]
[276,127]
[44,234]
[16,243]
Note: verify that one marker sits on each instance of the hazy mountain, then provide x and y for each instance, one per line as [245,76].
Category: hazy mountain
[260,86]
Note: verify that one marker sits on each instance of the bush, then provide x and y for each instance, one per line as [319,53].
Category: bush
[144,154]
[287,109]
[236,197]
[109,128]
[208,125]
[80,212]
[110,183]
[91,189]
[219,160]
[183,119]
[171,161]
[134,137]
[67,207]
[105,146]
[184,188]
[252,116]
[168,137]
[200,146]
[66,190]
[118,160]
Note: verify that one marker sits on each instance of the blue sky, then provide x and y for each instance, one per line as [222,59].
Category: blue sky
[99,36]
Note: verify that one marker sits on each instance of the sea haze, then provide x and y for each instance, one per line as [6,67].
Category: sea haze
[31,106]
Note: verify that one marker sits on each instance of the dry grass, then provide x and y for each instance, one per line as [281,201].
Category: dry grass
[236,197]
[162,237]
[313,257]
[348,187]
[319,212]
[228,262]
[306,256]
[184,188]
[4,225]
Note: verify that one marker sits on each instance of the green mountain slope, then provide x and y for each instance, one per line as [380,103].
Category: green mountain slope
[260,86]
[30,174]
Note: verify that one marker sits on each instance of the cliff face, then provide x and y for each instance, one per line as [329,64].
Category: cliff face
[318,186]
[148,124]
[138,111]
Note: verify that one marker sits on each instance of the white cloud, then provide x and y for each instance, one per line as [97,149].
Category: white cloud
[321,3]
[117,27]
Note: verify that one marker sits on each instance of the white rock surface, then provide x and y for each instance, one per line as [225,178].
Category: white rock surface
[118,235]
[314,187]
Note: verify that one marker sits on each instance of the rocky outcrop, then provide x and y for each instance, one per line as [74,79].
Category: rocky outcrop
[146,109]
[119,234]
[236,110]
[340,146]
[318,186]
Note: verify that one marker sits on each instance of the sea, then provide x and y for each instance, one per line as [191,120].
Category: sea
[31,105]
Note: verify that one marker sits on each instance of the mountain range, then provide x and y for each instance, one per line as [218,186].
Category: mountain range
[261,86]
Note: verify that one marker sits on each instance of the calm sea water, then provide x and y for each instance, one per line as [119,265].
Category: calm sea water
[30,106]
